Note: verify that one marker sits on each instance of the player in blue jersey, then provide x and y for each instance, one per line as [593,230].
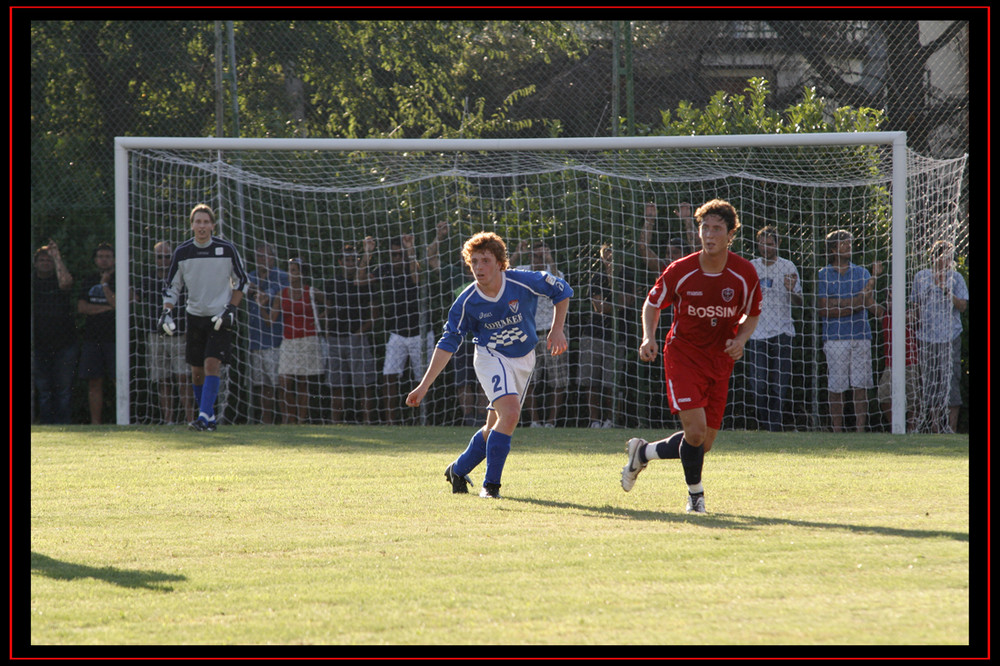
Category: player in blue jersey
[498,309]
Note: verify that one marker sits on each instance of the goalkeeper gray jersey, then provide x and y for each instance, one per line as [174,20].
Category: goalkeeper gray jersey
[210,274]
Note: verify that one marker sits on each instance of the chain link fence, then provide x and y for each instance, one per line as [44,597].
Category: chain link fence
[94,80]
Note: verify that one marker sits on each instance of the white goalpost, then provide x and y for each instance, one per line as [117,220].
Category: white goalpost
[606,213]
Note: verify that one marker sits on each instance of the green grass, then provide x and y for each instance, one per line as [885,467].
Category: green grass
[349,535]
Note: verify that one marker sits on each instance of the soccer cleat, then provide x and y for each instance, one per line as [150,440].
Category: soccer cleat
[459,484]
[696,503]
[631,470]
[490,490]
[201,425]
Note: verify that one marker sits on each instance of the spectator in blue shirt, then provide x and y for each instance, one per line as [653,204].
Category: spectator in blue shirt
[941,296]
[265,336]
[844,294]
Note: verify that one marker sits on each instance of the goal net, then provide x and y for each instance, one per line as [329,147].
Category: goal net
[374,228]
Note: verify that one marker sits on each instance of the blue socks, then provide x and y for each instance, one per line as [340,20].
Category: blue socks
[497,448]
[493,449]
[205,396]
[472,456]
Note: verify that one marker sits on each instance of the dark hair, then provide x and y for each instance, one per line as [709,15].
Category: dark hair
[768,231]
[103,245]
[302,265]
[835,237]
[723,209]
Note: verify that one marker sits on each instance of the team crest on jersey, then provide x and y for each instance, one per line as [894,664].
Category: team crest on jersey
[513,305]
[727,294]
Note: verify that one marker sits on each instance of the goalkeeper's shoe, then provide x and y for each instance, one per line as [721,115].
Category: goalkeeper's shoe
[459,484]
[491,490]
[201,425]
[630,472]
[696,503]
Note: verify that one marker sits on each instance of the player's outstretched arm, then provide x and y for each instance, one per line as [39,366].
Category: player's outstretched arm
[438,362]
[556,339]
[650,321]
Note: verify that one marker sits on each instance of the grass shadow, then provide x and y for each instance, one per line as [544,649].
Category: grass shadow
[739,522]
[131,578]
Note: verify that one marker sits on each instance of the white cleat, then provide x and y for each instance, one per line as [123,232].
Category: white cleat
[696,503]
[631,470]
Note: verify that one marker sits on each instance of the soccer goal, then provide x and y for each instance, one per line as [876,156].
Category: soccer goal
[606,213]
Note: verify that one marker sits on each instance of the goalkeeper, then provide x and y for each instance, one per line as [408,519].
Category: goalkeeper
[212,271]
[498,309]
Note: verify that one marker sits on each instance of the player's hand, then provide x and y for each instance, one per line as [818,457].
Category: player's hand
[735,349]
[647,351]
[649,213]
[416,396]
[165,324]
[226,319]
[441,230]
[556,343]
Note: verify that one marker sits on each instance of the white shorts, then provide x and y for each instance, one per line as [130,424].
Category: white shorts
[264,366]
[398,349]
[848,364]
[500,375]
[301,356]
[166,357]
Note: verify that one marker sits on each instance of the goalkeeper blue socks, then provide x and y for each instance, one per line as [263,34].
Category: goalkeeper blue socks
[472,456]
[497,448]
[206,403]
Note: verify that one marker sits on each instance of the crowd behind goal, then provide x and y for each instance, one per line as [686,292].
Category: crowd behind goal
[370,317]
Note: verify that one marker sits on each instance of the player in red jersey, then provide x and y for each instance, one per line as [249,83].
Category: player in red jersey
[716,299]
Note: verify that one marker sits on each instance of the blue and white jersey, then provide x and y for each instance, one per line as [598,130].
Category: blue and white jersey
[506,322]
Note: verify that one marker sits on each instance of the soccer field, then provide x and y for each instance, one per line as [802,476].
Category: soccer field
[349,535]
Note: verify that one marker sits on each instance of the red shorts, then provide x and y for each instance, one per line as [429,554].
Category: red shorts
[690,385]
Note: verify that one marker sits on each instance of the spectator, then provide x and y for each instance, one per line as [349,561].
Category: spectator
[602,336]
[398,288]
[844,293]
[97,350]
[165,353]
[211,270]
[299,362]
[551,377]
[348,350]
[264,283]
[454,277]
[680,243]
[941,296]
[912,379]
[769,350]
[54,334]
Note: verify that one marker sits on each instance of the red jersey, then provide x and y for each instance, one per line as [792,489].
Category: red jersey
[708,308]
[298,316]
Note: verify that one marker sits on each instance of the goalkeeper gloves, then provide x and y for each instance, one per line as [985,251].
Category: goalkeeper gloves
[226,319]
[165,324]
